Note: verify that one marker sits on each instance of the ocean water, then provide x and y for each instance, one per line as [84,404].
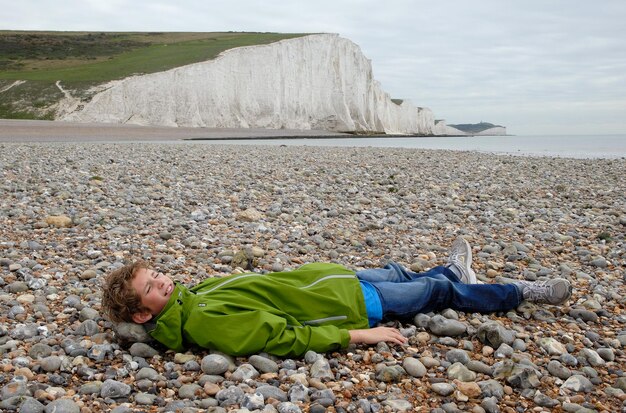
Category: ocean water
[568,146]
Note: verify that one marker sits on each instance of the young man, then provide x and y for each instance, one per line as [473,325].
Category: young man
[318,307]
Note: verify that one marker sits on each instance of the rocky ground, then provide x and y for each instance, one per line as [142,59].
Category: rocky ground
[71,212]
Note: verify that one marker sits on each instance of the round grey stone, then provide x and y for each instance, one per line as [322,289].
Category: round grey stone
[188,391]
[142,350]
[147,373]
[51,363]
[88,328]
[132,332]
[271,391]
[606,353]
[31,405]
[244,372]
[321,369]
[460,372]
[230,396]
[443,389]
[414,367]
[578,383]
[145,399]
[390,374]
[254,401]
[494,334]
[442,326]
[583,314]
[556,369]
[14,388]
[288,407]
[214,364]
[88,314]
[491,388]
[93,387]
[263,364]
[62,405]
[298,393]
[39,350]
[114,389]
[457,356]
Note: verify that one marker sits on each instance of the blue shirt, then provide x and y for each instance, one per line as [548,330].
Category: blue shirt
[372,303]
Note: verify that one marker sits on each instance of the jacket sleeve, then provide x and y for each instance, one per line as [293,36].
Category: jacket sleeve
[252,332]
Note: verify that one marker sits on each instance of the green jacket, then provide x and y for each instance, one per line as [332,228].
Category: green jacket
[283,313]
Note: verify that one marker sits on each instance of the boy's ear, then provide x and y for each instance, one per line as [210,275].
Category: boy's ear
[141,318]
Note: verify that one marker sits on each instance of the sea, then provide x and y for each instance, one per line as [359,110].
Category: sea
[566,146]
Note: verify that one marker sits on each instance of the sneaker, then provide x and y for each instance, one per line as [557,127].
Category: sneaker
[460,261]
[555,291]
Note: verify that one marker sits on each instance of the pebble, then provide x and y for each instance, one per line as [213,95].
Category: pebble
[200,211]
[214,364]
[442,326]
[414,367]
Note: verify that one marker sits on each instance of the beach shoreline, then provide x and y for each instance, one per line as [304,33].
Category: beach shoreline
[71,212]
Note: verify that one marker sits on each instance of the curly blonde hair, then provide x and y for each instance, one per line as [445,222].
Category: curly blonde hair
[119,299]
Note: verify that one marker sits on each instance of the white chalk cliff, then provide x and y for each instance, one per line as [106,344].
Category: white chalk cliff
[312,82]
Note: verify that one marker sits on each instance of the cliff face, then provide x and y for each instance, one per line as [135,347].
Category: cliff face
[313,82]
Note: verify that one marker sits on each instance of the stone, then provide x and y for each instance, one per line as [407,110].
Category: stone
[272,392]
[457,355]
[551,346]
[229,396]
[132,332]
[253,401]
[460,372]
[59,221]
[391,374]
[470,389]
[578,383]
[142,350]
[189,391]
[494,334]
[443,389]
[442,326]
[263,364]
[62,405]
[399,405]
[214,364]
[321,369]
[244,372]
[114,389]
[414,367]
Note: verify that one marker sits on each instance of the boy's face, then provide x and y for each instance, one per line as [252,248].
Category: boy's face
[154,288]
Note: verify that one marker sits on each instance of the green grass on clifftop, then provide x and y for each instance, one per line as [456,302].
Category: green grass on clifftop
[82,59]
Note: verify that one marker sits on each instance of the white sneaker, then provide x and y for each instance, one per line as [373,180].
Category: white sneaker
[460,261]
[553,291]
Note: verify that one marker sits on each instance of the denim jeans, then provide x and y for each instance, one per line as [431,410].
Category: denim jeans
[404,293]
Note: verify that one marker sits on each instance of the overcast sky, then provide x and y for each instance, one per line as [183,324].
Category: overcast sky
[535,66]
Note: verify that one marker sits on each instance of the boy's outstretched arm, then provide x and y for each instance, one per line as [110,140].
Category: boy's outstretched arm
[376,335]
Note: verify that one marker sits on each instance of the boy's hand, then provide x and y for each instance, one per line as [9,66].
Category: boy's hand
[376,335]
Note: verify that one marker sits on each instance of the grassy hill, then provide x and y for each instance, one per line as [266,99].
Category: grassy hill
[80,60]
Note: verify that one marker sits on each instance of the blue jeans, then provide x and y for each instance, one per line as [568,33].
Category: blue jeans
[403,293]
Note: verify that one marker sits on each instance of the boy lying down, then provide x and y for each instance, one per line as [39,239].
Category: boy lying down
[319,307]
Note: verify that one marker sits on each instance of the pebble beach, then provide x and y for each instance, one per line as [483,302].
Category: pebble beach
[71,212]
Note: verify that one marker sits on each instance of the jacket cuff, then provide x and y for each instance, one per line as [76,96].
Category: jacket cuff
[344,336]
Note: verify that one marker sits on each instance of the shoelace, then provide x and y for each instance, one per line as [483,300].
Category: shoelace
[455,259]
[537,291]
